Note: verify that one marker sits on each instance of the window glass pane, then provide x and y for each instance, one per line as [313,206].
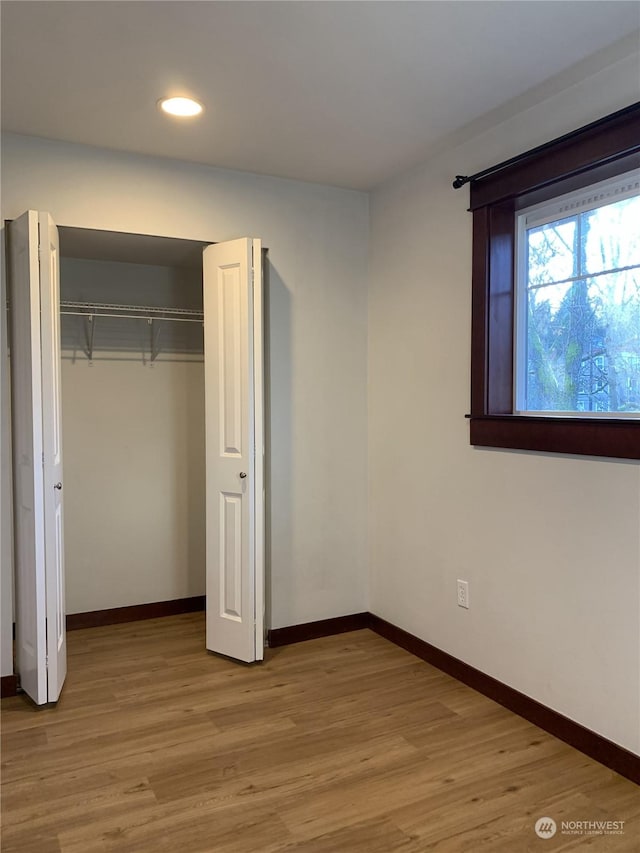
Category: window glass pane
[551,251]
[578,344]
[610,236]
[545,384]
[583,345]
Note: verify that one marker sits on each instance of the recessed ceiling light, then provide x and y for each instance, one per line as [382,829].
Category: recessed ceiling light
[183,107]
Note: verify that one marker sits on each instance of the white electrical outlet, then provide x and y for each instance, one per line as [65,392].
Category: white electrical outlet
[463,594]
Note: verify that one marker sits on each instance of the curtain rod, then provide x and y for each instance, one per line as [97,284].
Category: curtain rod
[461,180]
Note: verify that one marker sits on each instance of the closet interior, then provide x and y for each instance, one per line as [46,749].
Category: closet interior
[133,418]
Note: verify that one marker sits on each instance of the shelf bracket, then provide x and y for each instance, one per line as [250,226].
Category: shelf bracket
[90,328]
[155,329]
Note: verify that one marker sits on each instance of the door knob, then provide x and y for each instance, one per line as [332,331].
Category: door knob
[242,475]
[58,486]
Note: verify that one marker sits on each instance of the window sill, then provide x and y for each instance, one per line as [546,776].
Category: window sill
[618,439]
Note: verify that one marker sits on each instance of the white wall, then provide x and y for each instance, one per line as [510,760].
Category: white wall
[550,545]
[317,241]
[6,485]
[133,444]
[133,480]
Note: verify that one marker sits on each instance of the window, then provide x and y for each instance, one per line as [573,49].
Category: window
[556,310]
[577,344]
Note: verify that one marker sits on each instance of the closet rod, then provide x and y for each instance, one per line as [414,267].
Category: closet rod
[131,316]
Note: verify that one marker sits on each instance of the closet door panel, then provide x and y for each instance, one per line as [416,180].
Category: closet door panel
[37,453]
[26,410]
[52,446]
[230,414]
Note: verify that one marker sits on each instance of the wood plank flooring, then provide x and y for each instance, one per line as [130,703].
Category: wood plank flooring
[342,745]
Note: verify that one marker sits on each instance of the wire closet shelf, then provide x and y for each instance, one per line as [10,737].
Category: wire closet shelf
[146,312]
[151,313]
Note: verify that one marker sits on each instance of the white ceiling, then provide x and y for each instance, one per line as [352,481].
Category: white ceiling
[344,93]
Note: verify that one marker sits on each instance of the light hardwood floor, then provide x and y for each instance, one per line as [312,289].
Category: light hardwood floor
[341,745]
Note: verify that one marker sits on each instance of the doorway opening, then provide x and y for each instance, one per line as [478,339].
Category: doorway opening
[132,389]
[148,353]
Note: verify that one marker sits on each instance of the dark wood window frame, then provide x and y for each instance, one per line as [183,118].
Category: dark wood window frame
[603,149]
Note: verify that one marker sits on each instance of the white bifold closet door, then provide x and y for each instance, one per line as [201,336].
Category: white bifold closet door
[41,652]
[233,321]
[234,448]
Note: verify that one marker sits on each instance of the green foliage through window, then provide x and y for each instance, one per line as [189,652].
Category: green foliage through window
[578,345]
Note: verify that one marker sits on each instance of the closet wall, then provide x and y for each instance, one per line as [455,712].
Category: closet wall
[133,431]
